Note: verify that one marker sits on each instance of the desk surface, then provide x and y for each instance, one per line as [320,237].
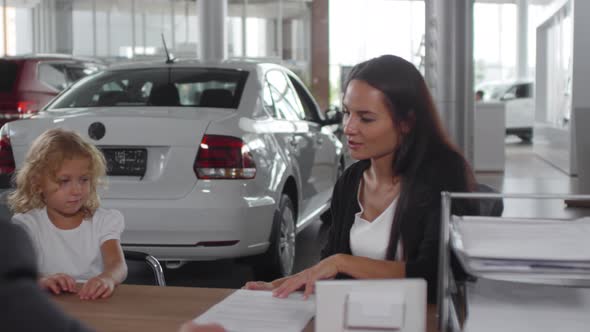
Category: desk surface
[153,308]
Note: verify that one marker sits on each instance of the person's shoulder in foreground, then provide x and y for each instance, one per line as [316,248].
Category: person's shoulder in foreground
[23,306]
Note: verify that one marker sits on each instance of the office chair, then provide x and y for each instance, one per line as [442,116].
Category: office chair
[143,269]
[489,207]
[164,95]
[110,98]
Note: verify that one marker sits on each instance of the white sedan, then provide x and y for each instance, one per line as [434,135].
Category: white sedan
[520,105]
[205,161]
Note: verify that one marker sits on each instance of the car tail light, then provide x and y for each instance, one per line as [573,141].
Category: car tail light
[224,157]
[26,107]
[7,164]
[20,110]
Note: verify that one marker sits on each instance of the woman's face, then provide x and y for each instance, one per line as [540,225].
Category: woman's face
[368,123]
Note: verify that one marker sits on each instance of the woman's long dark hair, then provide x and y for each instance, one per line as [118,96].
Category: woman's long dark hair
[425,158]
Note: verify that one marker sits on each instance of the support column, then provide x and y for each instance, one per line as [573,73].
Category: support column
[212,29]
[270,49]
[522,22]
[4,29]
[173,24]
[288,51]
[320,53]
[580,118]
[35,28]
[449,67]
[244,18]
[133,39]
[94,29]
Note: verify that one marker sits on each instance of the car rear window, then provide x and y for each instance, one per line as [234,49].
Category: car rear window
[179,86]
[8,75]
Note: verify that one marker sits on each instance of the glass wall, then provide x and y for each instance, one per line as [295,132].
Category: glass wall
[16,20]
[360,30]
[134,28]
[114,30]
[276,30]
[494,45]
[271,29]
[559,49]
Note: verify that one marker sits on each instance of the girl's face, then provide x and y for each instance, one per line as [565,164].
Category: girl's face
[368,124]
[68,192]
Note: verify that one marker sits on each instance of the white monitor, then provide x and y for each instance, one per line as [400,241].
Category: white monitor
[371,305]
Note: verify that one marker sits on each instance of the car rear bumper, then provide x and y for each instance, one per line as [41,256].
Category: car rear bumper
[197,227]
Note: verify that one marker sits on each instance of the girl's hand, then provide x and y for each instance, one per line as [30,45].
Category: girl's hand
[325,269]
[97,287]
[259,285]
[58,283]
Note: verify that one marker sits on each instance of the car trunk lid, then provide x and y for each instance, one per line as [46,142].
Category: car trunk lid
[150,151]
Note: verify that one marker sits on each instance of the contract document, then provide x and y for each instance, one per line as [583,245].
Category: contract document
[259,311]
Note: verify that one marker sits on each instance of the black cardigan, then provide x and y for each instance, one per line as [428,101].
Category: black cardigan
[23,305]
[420,234]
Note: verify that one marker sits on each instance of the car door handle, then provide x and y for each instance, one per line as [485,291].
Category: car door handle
[319,140]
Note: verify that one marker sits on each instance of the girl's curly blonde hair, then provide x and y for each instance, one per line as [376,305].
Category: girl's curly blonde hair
[45,158]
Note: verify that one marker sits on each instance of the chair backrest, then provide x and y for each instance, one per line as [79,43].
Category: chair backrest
[110,98]
[143,269]
[489,207]
[220,98]
[164,95]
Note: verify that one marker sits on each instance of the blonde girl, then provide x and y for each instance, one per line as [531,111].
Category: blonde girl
[57,203]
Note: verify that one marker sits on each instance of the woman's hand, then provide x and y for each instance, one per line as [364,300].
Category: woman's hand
[58,283]
[325,269]
[97,287]
[259,285]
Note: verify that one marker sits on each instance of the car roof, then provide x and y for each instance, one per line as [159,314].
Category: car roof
[250,65]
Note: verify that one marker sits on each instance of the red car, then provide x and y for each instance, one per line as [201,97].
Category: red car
[27,83]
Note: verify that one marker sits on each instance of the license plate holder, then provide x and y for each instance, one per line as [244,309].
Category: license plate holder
[125,161]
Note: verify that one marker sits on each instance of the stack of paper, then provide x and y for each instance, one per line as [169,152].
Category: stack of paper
[259,311]
[525,307]
[486,245]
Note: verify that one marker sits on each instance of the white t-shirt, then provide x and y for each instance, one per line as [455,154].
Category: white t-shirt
[75,252]
[371,238]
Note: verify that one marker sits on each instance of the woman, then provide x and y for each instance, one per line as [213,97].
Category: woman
[386,207]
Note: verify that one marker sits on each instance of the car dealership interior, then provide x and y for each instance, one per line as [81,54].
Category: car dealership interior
[227,138]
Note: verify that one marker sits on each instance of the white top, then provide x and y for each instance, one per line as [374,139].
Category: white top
[75,252]
[371,238]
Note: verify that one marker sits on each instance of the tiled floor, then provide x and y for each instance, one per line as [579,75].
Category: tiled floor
[525,173]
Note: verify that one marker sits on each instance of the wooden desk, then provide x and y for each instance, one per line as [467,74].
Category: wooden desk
[152,308]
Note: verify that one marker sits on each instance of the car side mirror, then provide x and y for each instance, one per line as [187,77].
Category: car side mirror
[332,116]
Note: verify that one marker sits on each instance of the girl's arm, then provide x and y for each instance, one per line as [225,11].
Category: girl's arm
[114,261]
[115,271]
